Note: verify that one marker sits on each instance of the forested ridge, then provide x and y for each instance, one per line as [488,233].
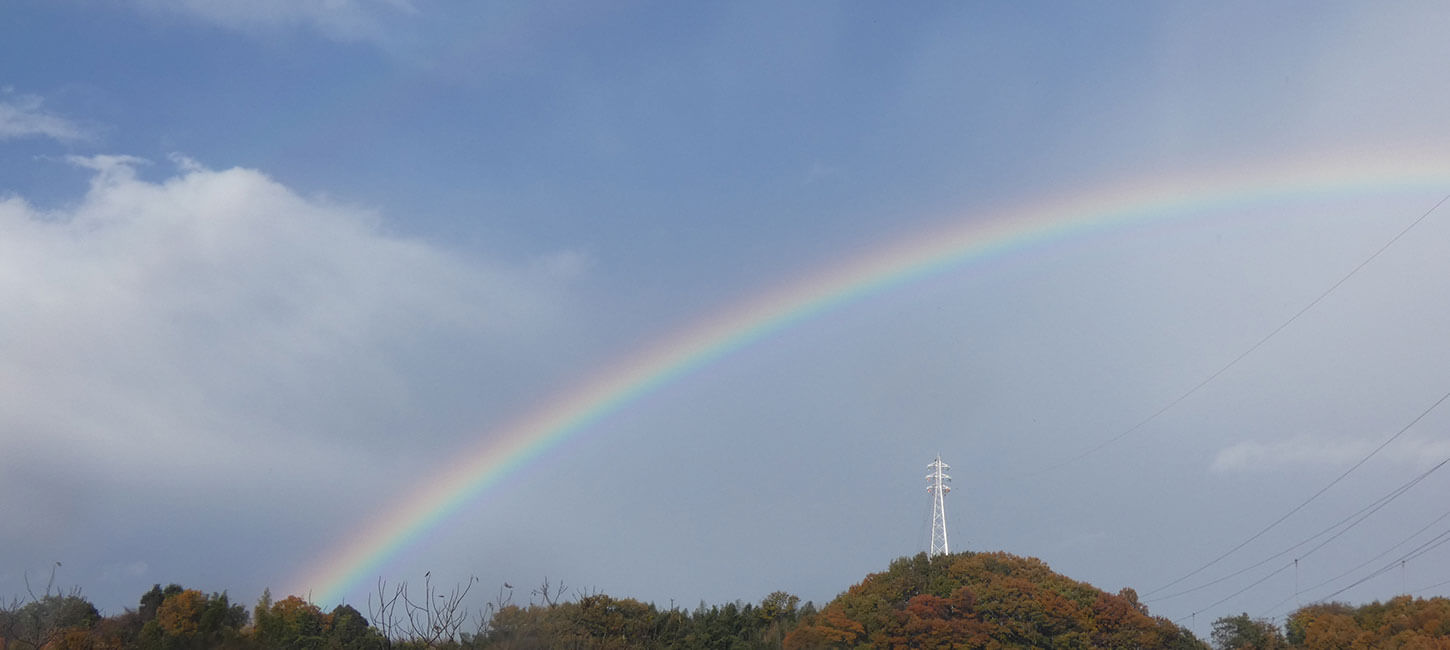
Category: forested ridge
[963,600]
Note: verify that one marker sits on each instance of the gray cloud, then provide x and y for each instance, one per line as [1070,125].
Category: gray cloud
[194,326]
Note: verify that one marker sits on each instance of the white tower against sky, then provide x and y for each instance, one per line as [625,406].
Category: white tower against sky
[936,485]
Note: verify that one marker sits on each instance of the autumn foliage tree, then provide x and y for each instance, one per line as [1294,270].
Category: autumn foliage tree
[967,600]
[186,618]
[983,600]
[295,624]
[1402,622]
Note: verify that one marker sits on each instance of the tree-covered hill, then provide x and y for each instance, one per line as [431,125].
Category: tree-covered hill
[983,600]
[965,600]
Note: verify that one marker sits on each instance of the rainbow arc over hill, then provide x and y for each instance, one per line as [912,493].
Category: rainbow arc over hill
[500,452]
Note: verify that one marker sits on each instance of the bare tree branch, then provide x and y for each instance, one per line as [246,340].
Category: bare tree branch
[429,619]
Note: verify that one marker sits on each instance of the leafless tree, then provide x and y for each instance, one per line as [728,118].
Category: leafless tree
[549,594]
[383,613]
[485,614]
[45,617]
[429,619]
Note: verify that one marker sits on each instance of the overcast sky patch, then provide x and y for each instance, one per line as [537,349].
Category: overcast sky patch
[344,20]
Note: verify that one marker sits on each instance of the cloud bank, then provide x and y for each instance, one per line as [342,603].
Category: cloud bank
[215,324]
[24,116]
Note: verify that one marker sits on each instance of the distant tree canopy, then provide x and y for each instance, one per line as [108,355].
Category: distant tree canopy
[600,622]
[966,600]
[176,618]
[1244,633]
[1402,622]
[46,620]
[983,600]
[297,624]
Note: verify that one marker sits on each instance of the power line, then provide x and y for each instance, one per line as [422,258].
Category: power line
[1251,349]
[1381,554]
[1361,514]
[1366,515]
[1311,498]
[1422,549]
[1437,541]
[1236,593]
[1422,590]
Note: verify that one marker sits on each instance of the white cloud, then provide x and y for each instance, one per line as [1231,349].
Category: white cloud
[1305,450]
[193,327]
[345,20]
[24,116]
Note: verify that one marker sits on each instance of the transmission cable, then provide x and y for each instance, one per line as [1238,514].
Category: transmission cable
[1311,498]
[1236,593]
[1383,553]
[1422,590]
[1251,349]
[1358,516]
[1422,549]
[1366,516]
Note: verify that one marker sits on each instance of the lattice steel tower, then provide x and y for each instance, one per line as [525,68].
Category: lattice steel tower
[936,485]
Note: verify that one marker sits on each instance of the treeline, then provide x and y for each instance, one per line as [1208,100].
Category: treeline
[965,600]
[603,622]
[1402,622]
[176,618]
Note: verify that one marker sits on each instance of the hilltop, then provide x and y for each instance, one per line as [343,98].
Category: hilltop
[983,600]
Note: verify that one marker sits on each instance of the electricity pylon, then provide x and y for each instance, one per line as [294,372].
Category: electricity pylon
[936,485]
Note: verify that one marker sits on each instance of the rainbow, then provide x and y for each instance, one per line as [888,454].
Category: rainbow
[501,452]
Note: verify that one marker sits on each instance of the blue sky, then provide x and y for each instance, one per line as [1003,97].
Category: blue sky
[270,267]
